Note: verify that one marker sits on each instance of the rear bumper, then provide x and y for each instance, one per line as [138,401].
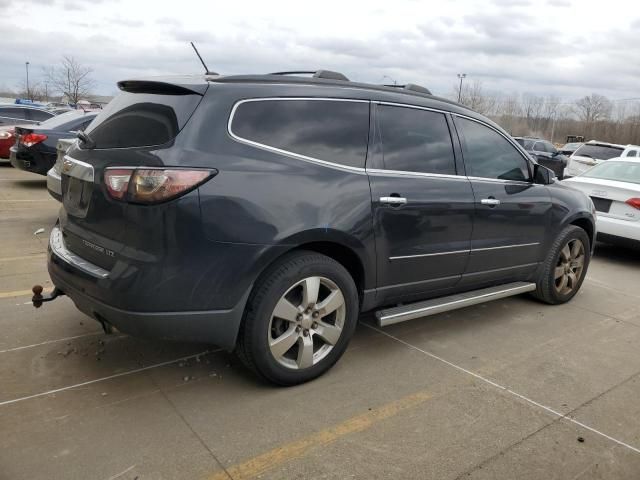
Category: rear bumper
[618,228]
[54,184]
[31,161]
[83,282]
[216,327]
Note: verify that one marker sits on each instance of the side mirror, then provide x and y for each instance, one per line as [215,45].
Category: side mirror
[542,175]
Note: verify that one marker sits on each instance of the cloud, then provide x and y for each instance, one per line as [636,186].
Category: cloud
[511,45]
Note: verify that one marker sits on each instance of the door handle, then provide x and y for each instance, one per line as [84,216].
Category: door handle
[393,200]
[492,202]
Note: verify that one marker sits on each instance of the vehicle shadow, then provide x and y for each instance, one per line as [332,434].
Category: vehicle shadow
[626,255]
[35,184]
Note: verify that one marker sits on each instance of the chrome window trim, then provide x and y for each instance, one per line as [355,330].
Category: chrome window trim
[56,242]
[407,105]
[77,169]
[318,161]
[404,173]
[500,180]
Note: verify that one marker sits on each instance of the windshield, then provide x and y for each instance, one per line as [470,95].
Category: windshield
[619,171]
[599,152]
[60,120]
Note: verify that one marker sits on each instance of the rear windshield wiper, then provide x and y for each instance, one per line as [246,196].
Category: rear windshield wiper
[86,140]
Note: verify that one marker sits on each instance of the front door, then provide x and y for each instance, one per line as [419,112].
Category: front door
[422,209]
[512,213]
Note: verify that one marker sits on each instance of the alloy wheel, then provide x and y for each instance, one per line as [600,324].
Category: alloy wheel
[306,323]
[570,267]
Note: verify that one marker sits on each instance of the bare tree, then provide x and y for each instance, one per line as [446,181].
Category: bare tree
[37,91]
[593,108]
[474,97]
[71,79]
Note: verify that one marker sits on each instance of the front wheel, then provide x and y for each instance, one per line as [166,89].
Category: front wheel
[565,267]
[299,319]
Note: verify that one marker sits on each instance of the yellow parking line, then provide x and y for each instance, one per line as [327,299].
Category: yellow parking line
[23,257]
[17,293]
[273,458]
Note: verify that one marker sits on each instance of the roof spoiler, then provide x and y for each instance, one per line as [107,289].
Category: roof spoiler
[162,88]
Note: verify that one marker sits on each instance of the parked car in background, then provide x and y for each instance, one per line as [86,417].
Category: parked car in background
[591,154]
[545,154]
[260,213]
[7,139]
[614,188]
[35,147]
[631,151]
[54,179]
[568,148]
[11,114]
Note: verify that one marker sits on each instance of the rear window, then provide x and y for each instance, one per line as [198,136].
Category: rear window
[141,119]
[619,171]
[61,120]
[332,130]
[598,152]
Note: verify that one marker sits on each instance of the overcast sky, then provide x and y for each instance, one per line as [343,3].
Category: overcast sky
[562,47]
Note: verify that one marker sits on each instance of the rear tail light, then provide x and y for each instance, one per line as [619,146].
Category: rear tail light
[153,185]
[634,202]
[31,139]
[6,134]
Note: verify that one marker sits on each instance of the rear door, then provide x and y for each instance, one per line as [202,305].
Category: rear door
[512,213]
[422,208]
[131,131]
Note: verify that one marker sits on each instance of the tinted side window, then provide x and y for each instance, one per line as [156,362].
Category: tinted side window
[335,131]
[632,153]
[488,154]
[416,140]
[38,115]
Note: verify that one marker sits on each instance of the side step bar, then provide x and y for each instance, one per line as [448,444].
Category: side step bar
[452,302]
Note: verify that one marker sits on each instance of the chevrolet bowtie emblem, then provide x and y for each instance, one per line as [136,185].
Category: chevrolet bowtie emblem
[67,165]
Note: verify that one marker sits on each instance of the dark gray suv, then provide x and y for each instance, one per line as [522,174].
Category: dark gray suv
[263,213]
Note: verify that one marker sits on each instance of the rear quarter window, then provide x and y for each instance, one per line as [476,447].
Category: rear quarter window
[142,119]
[335,131]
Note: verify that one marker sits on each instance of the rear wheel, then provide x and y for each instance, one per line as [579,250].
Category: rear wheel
[299,319]
[565,268]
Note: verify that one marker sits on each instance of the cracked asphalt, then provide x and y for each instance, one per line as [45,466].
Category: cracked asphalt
[509,389]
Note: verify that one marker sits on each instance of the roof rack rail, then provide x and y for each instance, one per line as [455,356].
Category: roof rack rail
[411,86]
[328,74]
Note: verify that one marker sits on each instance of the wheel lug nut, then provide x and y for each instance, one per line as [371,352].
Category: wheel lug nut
[314,325]
[299,317]
[306,333]
[316,314]
[298,329]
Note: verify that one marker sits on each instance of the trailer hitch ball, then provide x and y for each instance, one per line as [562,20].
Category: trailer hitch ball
[38,299]
[37,295]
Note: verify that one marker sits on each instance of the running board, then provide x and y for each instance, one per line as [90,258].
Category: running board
[452,302]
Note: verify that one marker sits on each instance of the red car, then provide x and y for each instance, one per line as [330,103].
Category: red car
[7,139]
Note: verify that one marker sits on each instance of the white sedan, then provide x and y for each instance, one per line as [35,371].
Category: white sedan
[614,187]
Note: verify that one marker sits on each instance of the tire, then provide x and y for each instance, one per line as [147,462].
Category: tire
[282,322]
[561,276]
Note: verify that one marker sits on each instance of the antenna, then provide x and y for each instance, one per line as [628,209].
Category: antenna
[206,70]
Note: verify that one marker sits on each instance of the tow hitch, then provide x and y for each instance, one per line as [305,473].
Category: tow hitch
[38,299]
